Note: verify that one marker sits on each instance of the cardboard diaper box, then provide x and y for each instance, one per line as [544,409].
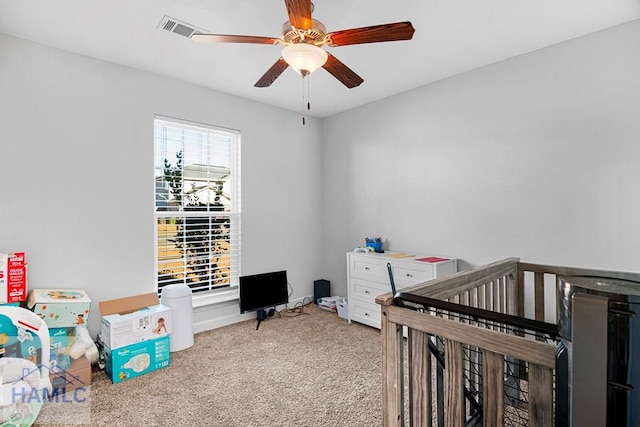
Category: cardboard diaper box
[137,359]
[13,277]
[77,375]
[132,320]
[60,341]
[60,308]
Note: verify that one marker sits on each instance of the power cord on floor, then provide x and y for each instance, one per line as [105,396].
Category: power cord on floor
[297,309]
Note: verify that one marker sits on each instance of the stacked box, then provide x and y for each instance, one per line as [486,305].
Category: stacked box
[60,308]
[67,373]
[61,339]
[77,375]
[134,319]
[135,333]
[13,277]
[134,360]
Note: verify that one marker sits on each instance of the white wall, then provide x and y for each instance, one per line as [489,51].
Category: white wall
[535,157]
[76,166]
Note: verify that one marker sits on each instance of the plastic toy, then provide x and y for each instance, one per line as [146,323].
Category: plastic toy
[84,345]
[23,384]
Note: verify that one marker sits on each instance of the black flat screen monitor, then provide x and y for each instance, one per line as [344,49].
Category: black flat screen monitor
[264,290]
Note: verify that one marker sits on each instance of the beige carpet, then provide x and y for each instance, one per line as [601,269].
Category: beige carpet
[312,369]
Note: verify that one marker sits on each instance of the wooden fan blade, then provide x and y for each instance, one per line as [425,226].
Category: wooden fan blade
[228,38]
[272,73]
[341,72]
[377,33]
[299,13]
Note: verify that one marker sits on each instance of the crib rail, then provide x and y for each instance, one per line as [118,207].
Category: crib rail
[437,397]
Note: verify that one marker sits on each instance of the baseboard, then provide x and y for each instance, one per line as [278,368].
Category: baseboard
[217,316]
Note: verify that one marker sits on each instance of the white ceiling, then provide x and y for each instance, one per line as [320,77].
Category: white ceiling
[452,36]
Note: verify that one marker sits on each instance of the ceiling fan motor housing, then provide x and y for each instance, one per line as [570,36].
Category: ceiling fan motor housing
[314,35]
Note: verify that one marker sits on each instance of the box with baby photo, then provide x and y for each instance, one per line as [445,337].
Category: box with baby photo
[133,319]
[60,308]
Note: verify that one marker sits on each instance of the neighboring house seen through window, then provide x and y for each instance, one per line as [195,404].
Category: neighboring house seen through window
[197,205]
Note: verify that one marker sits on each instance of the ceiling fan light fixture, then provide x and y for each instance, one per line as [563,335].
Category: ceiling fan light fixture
[304,58]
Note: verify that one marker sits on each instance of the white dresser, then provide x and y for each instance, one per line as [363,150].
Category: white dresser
[368,277]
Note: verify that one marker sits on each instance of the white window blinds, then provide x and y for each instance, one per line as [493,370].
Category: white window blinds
[197,205]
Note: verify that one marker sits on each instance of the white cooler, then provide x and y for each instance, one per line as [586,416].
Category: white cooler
[178,297]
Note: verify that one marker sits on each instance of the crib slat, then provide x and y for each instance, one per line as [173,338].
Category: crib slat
[512,296]
[539,298]
[392,363]
[491,301]
[440,388]
[540,396]
[473,375]
[464,298]
[419,379]
[488,299]
[503,295]
[455,400]
[520,286]
[500,297]
[481,296]
[473,297]
[539,295]
[493,389]
[559,298]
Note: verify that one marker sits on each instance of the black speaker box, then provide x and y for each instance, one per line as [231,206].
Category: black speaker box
[321,288]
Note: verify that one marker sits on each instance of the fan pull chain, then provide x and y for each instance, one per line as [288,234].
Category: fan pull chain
[308,95]
[305,98]
[303,102]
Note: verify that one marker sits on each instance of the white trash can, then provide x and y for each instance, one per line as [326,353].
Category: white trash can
[178,297]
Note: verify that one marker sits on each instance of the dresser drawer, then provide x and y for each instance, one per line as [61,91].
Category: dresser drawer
[369,314]
[405,276]
[367,291]
[370,269]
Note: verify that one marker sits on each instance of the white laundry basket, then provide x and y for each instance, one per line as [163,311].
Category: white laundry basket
[178,297]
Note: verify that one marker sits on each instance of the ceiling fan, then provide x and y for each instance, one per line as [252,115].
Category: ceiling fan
[303,38]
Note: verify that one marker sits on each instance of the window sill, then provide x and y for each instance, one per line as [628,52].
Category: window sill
[215,298]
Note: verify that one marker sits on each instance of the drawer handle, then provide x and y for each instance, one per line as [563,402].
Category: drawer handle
[409,275]
[367,292]
[366,314]
[367,268]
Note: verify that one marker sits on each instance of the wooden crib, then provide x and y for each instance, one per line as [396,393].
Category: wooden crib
[494,327]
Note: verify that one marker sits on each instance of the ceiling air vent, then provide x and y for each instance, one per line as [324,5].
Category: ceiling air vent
[178,27]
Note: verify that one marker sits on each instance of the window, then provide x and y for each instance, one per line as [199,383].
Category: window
[197,205]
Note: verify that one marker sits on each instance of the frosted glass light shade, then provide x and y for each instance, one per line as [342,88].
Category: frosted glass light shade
[304,58]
